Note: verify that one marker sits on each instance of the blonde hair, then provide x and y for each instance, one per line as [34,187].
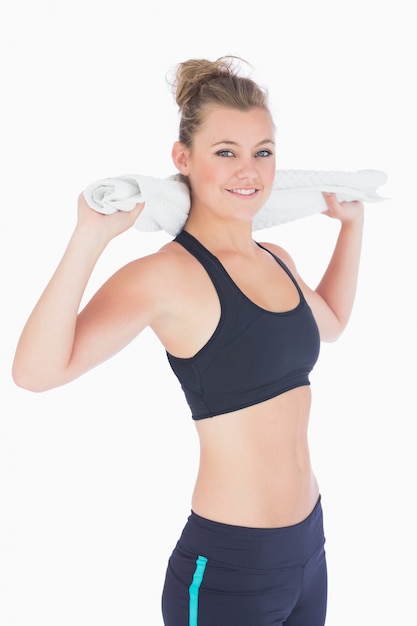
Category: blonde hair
[199,84]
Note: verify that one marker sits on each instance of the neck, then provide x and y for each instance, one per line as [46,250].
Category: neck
[220,234]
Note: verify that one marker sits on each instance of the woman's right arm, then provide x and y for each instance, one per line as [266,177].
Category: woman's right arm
[45,355]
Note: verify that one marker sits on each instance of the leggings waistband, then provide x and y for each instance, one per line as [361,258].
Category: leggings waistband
[244,546]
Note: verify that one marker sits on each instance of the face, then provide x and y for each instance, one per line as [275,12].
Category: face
[231,164]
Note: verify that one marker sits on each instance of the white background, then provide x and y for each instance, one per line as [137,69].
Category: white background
[96,476]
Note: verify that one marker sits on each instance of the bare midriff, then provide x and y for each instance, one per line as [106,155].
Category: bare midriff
[255,465]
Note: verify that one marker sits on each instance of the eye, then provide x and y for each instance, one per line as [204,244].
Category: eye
[224,153]
[264,153]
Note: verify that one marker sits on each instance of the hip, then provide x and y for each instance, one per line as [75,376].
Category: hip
[262,548]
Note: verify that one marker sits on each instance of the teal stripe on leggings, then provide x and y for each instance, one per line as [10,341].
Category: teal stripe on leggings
[201,563]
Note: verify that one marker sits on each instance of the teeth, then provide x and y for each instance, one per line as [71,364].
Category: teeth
[244,192]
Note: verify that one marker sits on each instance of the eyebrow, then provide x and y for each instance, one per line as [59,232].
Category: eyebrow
[227,142]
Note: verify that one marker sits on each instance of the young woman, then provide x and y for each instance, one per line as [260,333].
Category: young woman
[242,332]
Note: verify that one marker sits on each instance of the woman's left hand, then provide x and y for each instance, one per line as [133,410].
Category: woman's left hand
[343,211]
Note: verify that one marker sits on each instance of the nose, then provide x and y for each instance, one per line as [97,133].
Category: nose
[247,169]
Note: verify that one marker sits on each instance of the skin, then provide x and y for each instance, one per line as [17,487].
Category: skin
[255,466]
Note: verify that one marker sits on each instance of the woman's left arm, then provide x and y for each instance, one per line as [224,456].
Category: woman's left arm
[333,298]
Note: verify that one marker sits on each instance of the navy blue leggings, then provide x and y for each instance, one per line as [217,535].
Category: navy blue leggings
[221,575]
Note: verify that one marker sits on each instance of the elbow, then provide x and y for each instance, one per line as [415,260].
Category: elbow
[29,380]
[26,383]
[331,338]
[332,332]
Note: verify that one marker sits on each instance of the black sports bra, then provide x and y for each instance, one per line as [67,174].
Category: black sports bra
[253,355]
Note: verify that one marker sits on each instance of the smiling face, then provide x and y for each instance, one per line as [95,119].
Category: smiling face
[231,163]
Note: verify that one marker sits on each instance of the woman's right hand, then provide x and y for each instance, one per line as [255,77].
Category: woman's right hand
[105,227]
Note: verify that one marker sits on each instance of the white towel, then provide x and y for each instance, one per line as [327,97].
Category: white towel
[295,194]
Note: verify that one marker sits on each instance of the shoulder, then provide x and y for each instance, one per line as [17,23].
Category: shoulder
[167,291]
[155,271]
[154,282]
[324,316]
[282,254]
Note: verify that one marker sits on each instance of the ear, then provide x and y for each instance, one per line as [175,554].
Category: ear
[180,156]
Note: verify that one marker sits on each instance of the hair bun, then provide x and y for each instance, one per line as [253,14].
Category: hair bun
[192,74]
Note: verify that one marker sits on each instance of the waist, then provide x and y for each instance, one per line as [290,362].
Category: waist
[276,501]
[255,466]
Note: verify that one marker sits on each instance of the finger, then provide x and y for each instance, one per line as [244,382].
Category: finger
[130,217]
[331,202]
[330,197]
[137,210]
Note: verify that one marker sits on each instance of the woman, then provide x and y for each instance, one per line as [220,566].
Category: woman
[242,332]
